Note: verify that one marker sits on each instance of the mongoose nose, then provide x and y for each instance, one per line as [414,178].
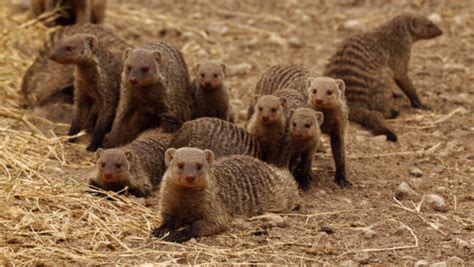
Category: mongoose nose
[207,84]
[133,81]
[190,179]
[265,119]
[108,175]
[297,135]
[318,101]
[52,56]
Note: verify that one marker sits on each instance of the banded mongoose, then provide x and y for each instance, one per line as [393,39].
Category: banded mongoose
[73,11]
[200,196]
[210,93]
[97,84]
[222,137]
[327,95]
[268,125]
[370,62]
[138,165]
[47,83]
[155,80]
[298,78]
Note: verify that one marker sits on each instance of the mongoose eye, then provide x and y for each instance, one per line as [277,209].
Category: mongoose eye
[329,93]
[315,91]
[294,124]
[216,75]
[307,125]
[69,48]
[274,110]
[199,166]
[181,166]
[202,75]
[129,68]
[260,109]
[118,165]
[145,69]
[102,165]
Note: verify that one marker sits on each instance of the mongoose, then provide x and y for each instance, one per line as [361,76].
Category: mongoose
[268,125]
[47,83]
[74,11]
[210,93]
[200,196]
[222,137]
[303,139]
[295,99]
[155,80]
[370,62]
[298,78]
[281,77]
[327,95]
[138,165]
[97,85]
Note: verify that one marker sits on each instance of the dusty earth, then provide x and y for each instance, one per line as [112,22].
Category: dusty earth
[48,218]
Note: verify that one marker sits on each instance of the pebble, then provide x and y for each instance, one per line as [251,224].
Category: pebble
[270,220]
[461,244]
[352,25]
[327,229]
[440,189]
[362,257]
[295,42]
[369,233]
[404,191]
[435,18]
[348,263]
[239,69]
[421,263]
[439,264]
[436,202]
[218,28]
[455,262]
[277,40]
[416,172]
[454,67]
[380,138]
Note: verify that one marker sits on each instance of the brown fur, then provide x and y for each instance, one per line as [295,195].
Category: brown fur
[222,137]
[210,93]
[369,63]
[138,165]
[200,196]
[327,95]
[75,11]
[97,84]
[154,81]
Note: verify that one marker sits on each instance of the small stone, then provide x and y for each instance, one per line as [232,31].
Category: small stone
[404,191]
[348,263]
[239,69]
[436,202]
[454,67]
[322,192]
[462,244]
[362,257]
[352,25]
[439,264]
[295,42]
[369,233]
[218,28]
[201,53]
[380,138]
[365,204]
[455,262]
[416,172]
[421,263]
[277,40]
[435,18]
[458,19]
[440,189]
[270,220]
[327,229]
[188,35]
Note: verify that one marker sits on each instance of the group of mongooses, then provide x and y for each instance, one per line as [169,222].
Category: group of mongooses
[164,131]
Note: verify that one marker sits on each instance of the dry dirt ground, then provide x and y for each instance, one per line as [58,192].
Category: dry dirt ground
[47,217]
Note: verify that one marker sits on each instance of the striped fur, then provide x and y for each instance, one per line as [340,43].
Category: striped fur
[222,137]
[146,164]
[295,99]
[220,190]
[281,77]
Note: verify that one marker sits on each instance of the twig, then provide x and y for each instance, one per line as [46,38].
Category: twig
[417,211]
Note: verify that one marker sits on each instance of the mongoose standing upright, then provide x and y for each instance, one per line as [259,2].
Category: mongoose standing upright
[200,196]
[75,11]
[222,137]
[138,165]
[210,93]
[299,78]
[370,62]
[327,95]
[97,84]
[155,80]
[268,125]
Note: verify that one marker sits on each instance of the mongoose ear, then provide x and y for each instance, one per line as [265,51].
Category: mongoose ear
[126,53]
[98,153]
[92,42]
[157,56]
[224,69]
[209,156]
[169,155]
[415,26]
[284,102]
[196,68]
[256,98]
[309,83]
[319,117]
[341,86]
[292,111]
[129,155]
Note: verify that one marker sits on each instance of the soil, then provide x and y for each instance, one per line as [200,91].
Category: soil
[251,36]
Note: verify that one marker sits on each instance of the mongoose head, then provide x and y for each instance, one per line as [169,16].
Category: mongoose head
[210,75]
[420,27]
[305,123]
[325,92]
[113,168]
[270,109]
[141,67]
[75,49]
[187,166]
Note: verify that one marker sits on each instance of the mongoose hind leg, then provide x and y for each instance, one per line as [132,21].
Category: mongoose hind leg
[371,120]
[82,112]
